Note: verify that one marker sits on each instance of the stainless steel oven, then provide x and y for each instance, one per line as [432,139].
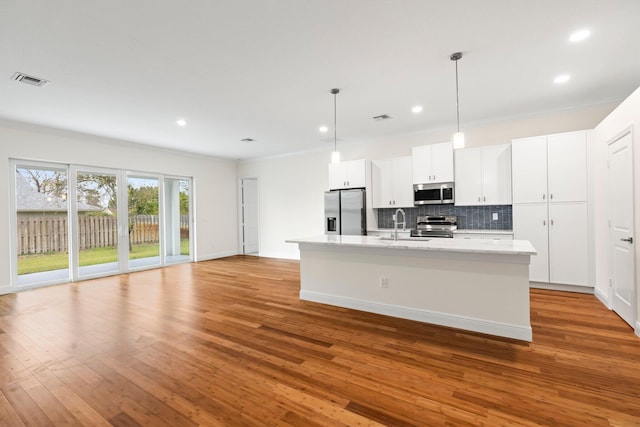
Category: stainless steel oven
[433,194]
[435,226]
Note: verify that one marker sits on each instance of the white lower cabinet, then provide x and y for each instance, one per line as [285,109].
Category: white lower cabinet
[568,243]
[558,232]
[530,223]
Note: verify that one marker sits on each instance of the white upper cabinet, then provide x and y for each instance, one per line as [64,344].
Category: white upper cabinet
[391,183]
[432,163]
[550,168]
[350,174]
[529,165]
[567,173]
[483,176]
[496,175]
[468,183]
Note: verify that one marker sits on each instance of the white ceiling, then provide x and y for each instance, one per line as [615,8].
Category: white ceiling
[263,69]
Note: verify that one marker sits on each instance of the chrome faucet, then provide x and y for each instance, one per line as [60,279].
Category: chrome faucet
[395,223]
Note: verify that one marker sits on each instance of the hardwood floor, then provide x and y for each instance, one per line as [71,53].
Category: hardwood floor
[228,343]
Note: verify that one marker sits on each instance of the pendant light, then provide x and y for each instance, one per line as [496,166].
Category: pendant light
[335,155]
[458,137]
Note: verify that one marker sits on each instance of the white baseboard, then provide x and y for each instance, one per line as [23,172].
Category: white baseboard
[560,287]
[602,296]
[453,321]
[637,328]
[216,255]
[6,290]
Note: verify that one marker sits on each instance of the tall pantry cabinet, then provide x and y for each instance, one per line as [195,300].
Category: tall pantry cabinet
[550,205]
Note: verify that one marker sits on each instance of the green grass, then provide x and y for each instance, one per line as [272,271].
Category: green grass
[59,260]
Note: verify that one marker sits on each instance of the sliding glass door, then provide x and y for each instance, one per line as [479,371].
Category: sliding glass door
[41,224]
[97,222]
[144,221]
[177,202]
[77,222]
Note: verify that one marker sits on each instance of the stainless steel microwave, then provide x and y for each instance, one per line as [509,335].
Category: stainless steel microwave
[433,194]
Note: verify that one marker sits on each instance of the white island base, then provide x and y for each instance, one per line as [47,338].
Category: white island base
[480,285]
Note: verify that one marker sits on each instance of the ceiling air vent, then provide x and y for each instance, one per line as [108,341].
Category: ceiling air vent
[381,117]
[30,80]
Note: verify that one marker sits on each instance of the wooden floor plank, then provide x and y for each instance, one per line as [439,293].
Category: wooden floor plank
[229,343]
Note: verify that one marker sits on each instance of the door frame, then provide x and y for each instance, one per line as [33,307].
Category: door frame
[610,253]
[241,245]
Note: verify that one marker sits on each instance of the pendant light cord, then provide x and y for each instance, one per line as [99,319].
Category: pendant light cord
[457,99]
[335,123]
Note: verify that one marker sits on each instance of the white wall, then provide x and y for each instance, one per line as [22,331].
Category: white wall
[291,187]
[626,115]
[214,180]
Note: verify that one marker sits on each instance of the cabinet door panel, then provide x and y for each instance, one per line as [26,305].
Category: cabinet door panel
[421,164]
[496,175]
[381,183]
[529,169]
[442,162]
[337,175]
[568,243]
[567,163]
[402,182]
[468,172]
[530,223]
[356,174]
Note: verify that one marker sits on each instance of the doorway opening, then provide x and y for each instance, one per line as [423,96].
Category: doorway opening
[249,216]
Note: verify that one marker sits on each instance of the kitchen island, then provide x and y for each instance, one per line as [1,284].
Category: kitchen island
[477,285]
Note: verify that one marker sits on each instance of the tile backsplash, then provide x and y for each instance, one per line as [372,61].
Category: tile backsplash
[469,217]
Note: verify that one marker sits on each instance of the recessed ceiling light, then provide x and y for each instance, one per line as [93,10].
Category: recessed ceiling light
[323,129]
[417,109]
[562,79]
[181,122]
[578,36]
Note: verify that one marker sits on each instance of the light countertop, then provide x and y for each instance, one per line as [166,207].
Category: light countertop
[458,231]
[504,247]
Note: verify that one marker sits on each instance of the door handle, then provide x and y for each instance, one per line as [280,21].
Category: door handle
[628,239]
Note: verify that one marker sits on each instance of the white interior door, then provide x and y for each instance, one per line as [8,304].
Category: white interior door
[250,215]
[621,247]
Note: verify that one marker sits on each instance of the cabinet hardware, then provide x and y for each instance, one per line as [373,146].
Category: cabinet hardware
[551,196]
[551,222]
[544,196]
[484,199]
[628,239]
[478,198]
[544,222]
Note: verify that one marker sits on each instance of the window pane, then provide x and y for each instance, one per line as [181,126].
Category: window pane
[178,236]
[41,211]
[97,223]
[144,233]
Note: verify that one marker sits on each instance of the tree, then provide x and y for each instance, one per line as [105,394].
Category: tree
[98,190]
[50,182]
[142,201]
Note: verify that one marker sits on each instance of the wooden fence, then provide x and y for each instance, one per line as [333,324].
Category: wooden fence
[50,234]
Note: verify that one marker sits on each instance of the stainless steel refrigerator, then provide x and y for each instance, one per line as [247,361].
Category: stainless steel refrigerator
[345,212]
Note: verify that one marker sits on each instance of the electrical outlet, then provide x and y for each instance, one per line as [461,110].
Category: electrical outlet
[384,282]
[494,216]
